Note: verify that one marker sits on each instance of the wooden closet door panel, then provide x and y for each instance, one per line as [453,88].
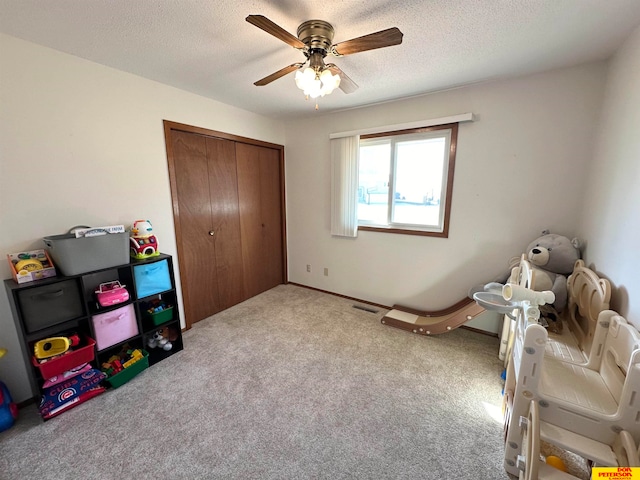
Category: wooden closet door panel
[197,265]
[226,220]
[248,165]
[260,201]
[271,214]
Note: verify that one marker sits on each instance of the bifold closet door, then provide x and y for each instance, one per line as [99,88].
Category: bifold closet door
[228,204]
[223,189]
[211,262]
[261,222]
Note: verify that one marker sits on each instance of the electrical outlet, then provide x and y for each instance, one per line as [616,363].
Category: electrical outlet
[308,268]
[326,272]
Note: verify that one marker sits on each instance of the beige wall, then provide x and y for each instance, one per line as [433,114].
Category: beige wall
[520,168]
[610,216]
[82,143]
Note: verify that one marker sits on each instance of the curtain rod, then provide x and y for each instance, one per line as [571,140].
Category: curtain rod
[463,117]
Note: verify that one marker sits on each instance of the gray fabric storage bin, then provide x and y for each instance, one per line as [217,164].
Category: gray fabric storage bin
[50,304]
[74,256]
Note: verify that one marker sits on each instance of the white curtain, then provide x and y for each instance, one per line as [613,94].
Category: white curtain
[344,186]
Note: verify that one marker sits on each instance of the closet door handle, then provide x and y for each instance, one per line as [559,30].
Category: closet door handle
[212,233]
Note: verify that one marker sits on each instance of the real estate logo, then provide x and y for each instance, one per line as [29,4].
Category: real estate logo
[616,473]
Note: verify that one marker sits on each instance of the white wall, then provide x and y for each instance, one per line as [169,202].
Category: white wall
[82,143]
[520,168]
[612,195]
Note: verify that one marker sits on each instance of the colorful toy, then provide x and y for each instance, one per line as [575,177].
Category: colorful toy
[53,346]
[134,356]
[112,366]
[158,311]
[143,242]
[163,338]
[111,293]
[556,462]
[30,265]
[125,359]
[158,341]
[8,409]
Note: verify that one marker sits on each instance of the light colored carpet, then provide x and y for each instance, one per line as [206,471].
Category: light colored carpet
[291,384]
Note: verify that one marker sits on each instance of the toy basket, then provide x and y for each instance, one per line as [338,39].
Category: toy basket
[128,373]
[66,362]
[163,316]
[74,256]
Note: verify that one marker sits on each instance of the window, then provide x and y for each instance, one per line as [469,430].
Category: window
[405,180]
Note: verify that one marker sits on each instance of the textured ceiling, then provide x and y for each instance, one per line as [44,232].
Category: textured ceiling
[206,46]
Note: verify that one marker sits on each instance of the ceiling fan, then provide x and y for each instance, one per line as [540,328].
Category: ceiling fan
[315,41]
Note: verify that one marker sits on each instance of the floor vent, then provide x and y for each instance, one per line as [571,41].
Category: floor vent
[366,309]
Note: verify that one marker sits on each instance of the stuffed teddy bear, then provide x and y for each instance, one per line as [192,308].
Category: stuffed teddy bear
[553,257]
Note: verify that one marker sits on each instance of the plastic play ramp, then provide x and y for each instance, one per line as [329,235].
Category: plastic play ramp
[435,322]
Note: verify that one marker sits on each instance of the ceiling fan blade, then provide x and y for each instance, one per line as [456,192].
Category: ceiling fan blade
[383,38]
[280,73]
[268,26]
[346,84]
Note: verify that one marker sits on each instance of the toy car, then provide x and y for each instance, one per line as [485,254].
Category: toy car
[111,293]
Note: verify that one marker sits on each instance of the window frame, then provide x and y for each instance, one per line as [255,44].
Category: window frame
[447,195]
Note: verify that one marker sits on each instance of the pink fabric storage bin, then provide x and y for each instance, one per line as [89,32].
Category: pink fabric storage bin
[114,326]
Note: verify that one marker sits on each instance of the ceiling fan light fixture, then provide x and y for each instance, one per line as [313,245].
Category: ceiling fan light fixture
[304,76]
[315,41]
[314,84]
[329,81]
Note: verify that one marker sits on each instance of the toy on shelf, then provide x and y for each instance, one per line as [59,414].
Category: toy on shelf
[143,242]
[163,338]
[111,293]
[125,359]
[158,311]
[30,266]
[54,346]
[117,363]
[134,356]
[8,409]
[158,341]
[122,367]
[74,356]
[112,366]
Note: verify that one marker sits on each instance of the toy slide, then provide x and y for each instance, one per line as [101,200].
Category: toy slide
[435,322]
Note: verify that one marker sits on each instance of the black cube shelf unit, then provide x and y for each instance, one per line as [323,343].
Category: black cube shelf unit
[67,304]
